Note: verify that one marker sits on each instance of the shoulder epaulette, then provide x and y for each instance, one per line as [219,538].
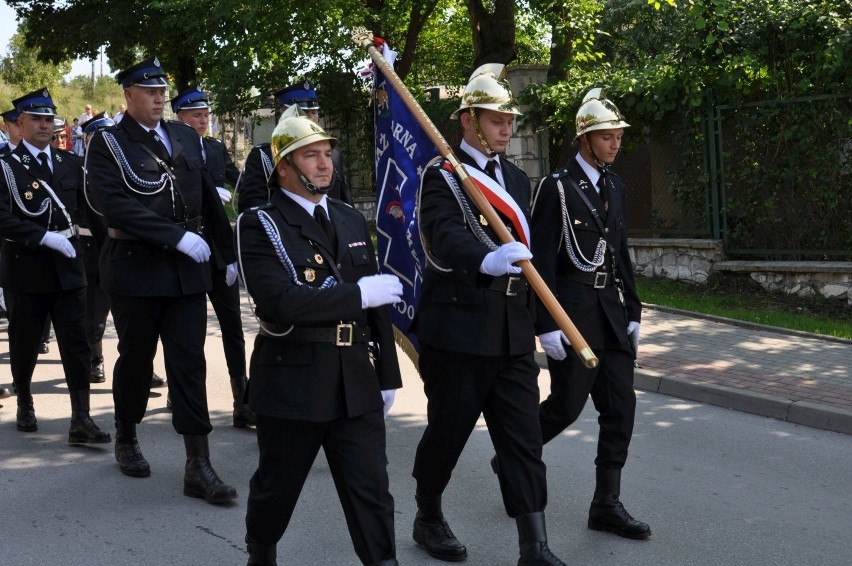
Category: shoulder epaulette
[559,174]
[338,202]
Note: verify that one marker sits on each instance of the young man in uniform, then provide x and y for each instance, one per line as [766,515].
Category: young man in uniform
[579,227]
[476,331]
[324,364]
[148,181]
[41,269]
[192,107]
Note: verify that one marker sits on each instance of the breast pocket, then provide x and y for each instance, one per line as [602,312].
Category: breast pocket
[312,269]
[359,255]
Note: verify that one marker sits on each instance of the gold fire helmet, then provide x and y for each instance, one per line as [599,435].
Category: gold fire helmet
[295,130]
[489,89]
[598,113]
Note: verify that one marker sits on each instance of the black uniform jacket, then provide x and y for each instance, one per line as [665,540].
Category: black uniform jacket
[219,163]
[25,265]
[221,168]
[581,301]
[253,188]
[457,311]
[313,381]
[147,264]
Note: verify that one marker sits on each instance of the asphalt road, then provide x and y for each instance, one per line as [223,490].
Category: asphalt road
[718,487]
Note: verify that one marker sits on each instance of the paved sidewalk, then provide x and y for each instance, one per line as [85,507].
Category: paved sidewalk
[798,377]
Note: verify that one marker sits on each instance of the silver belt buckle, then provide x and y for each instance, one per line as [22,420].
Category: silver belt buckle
[601,279]
[510,291]
[344,334]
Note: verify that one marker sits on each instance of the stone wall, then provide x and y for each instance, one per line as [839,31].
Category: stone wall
[694,260]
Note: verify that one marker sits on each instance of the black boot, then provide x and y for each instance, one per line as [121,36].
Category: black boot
[83,429]
[157,381]
[26,419]
[200,479]
[96,367]
[608,514]
[127,452]
[243,415]
[388,562]
[432,532]
[261,554]
[532,540]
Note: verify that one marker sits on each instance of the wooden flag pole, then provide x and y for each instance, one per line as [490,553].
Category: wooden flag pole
[364,38]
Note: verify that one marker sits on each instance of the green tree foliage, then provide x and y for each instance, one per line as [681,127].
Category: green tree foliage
[22,69]
[665,67]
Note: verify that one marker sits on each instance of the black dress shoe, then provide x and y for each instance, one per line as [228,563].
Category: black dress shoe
[84,431]
[96,373]
[609,515]
[26,419]
[44,348]
[130,459]
[157,381]
[438,540]
[5,393]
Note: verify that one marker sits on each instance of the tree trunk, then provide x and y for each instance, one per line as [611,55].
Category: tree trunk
[493,33]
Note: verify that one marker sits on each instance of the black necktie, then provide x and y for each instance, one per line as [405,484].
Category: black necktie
[326,225]
[491,170]
[162,152]
[603,185]
[45,163]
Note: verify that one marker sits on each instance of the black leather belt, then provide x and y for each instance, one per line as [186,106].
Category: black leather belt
[508,285]
[344,334]
[192,225]
[597,279]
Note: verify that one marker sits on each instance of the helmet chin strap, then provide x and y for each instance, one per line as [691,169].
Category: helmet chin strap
[312,188]
[475,121]
[602,165]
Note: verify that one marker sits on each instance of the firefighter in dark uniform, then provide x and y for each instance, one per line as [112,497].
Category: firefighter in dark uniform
[41,268]
[193,108]
[147,179]
[93,235]
[579,225]
[316,379]
[476,331]
[252,188]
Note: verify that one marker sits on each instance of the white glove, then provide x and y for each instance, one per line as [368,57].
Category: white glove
[194,246]
[388,396]
[633,334]
[378,290]
[59,243]
[231,273]
[552,344]
[499,262]
[224,194]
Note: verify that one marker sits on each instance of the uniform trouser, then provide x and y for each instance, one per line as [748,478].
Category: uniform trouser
[27,315]
[226,304]
[355,450]
[181,324]
[459,388]
[611,387]
[45,333]
[97,311]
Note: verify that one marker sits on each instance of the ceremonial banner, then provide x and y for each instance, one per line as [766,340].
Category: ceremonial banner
[402,153]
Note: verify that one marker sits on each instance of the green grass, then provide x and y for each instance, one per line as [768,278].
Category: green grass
[737,296]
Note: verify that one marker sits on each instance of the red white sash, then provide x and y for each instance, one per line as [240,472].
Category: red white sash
[501,200]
